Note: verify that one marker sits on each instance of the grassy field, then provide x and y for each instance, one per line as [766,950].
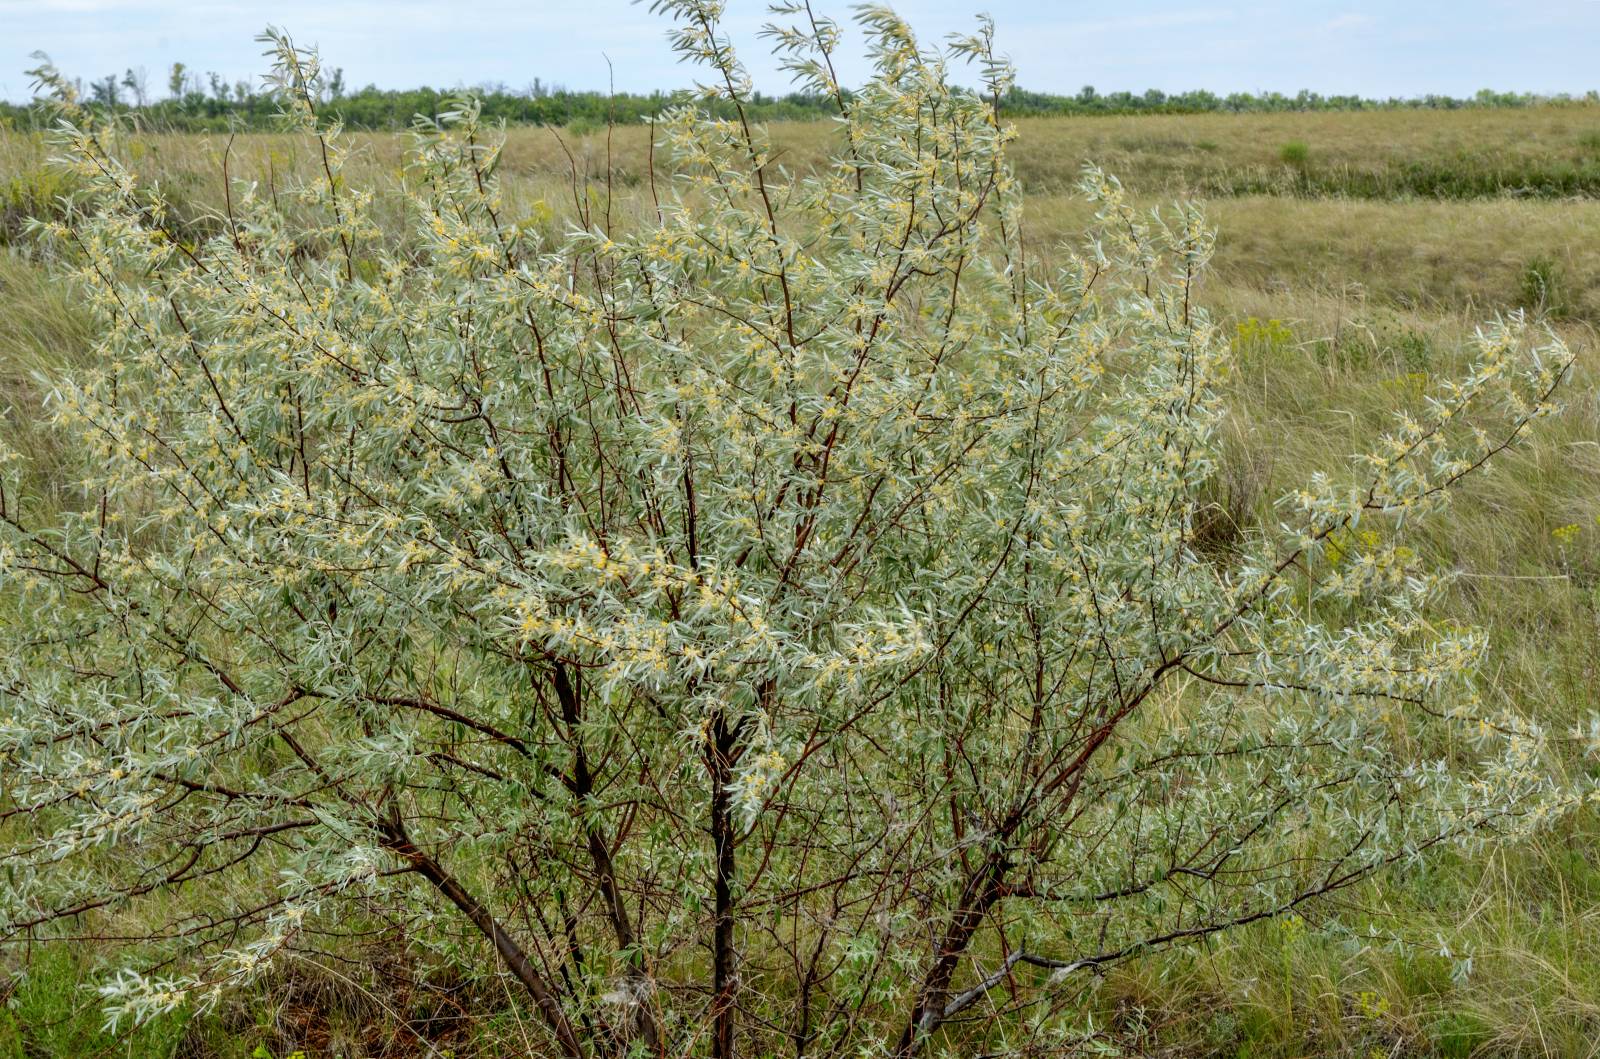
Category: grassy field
[1357,252]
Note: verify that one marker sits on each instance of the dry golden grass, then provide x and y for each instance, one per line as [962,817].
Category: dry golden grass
[1407,250]
[1414,254]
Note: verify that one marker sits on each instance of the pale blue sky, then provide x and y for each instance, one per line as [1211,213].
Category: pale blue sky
[1398,47]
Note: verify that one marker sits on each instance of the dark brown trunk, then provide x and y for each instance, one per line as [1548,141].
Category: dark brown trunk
[396,839]
[719,762]
[604,869]
[983,889]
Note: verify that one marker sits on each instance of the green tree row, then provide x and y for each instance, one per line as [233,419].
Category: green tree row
[193,103]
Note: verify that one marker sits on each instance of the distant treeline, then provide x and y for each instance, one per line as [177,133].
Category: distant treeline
[190,104]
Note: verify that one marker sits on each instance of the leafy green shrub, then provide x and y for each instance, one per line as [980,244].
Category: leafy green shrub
[780,622]
[1413,350]
[1295,154]
[1543,288]
[1381,342]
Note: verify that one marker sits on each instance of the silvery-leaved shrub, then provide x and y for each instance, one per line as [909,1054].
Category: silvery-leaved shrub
[773,625]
